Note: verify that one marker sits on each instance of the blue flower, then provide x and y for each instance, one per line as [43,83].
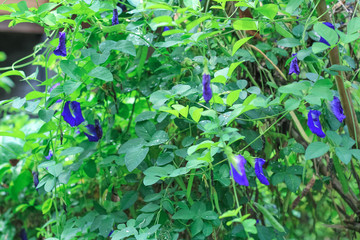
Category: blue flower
[95,131]
[239,177]
[61,49]
[115,19]
[166,29]
[48,157]
[207,92]
[294,66]
[337,109]
[35,178]
[323,39]
[72,113]
[314,123]
[23,234]
[110,233]
[259,162]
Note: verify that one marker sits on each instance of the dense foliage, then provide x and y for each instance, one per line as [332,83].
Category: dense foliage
[184,120]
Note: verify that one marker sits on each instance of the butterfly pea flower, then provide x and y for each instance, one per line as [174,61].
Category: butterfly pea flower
[35,178]
[294,66]
[322,40]
[95,132]
[239,177]
[72,113]
[23,234]
[48,157]
[61,49]
[314,123]
[259,162]
[115,19]
[207,92]
[337,109]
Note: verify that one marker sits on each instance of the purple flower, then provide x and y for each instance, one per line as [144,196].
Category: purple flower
[95,131]
[48,157]
[337,109]
[323,39]
[72,113]
[115,19]
[166,29]
[110,233]
[207,93]
[259,162]
[294,66]
[314,123]
[239,177]
[23,234]
[61,49]
[35,178]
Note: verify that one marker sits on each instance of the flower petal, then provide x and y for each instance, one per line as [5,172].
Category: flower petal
[314,123]
[239,177]
[337,109]
[207,92]
[95,132]
[23,234]
[259,162]
[61,48]
[35,178]
[115,18]
[74,119]
[294,66]
[48,157]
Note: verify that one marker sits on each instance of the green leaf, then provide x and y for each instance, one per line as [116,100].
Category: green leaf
[292,182]
[134,157]
[293,5]
[195,113]
[239,43]
[71,151]
[249,226]
[283,30]
[316,149]
[18,103]
[289,42]
[245,24]
[101,73]
[70,68]
[209,215]
[46,7]
[183,214]
[336,67]
[353,25]
[270,218]
[70,86]
[90,168]
[340,172]
[196,22]
[145,130]
[145,116]
[46,207]
[128,199]
[318,47]
[268,10]
[292,104]
[343,154]
[232,97]
[55,170]
[197,226]
[46,115]
[327,33]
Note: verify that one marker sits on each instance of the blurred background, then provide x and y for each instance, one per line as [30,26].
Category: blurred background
[17,42]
